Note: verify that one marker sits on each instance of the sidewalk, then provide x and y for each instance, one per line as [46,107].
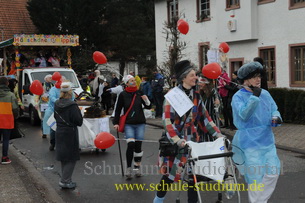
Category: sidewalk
[22,182]
[289,137]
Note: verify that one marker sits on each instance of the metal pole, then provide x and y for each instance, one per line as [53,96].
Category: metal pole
[120,152]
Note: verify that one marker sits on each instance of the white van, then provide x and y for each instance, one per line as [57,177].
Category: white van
[28,75]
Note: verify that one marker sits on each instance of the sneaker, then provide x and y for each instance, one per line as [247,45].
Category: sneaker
[52,147]
[128,173]
[44,136]
[137,171]
[70,185]
[5,160]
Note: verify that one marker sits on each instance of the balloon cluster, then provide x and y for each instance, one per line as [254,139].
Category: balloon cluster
[57,77]
[99,57]
[104,140]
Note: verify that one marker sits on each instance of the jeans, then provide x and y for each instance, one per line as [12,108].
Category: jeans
[135,131]
[6,133]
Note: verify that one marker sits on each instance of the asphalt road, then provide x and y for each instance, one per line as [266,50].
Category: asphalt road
[97,174]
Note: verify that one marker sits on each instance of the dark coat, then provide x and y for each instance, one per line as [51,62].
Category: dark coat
[106,96]
[136,114]
[68,117]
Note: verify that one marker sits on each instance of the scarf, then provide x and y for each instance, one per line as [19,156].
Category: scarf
[187,91]
[131,89]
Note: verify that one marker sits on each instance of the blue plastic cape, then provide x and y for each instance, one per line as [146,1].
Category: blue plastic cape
[253,144]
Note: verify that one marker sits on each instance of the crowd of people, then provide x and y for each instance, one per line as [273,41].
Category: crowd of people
[240,103]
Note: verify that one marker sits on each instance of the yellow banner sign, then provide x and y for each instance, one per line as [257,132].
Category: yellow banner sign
[46,40]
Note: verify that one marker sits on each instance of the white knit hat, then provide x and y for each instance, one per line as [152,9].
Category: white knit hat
[65,86]
[45,77]
[127,78]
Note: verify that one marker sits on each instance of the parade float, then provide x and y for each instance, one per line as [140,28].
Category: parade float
[19,61]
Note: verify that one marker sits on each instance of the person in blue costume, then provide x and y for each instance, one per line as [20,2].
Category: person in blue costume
[253,144]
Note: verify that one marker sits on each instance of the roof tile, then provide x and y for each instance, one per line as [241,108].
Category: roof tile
[15,19]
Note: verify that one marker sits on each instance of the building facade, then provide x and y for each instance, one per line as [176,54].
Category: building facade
[271,29]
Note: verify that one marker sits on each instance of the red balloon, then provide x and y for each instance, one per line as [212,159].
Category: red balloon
[179,21]
[212,70]
[99,57]
[104,140]
[58,84]
[224,47]
[56,76]
[183,26]
[36,87]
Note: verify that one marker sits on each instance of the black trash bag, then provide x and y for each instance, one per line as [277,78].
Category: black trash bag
[16,132]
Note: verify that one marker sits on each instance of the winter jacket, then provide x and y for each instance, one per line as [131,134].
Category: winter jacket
[106,96]
[223,81]
[68,117]
[158,83]
[114,82]
[8,108]
[136,114]
[146,89]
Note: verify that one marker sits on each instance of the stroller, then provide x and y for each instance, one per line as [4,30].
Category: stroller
[200,156]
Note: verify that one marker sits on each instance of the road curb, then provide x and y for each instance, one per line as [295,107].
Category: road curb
[50,195]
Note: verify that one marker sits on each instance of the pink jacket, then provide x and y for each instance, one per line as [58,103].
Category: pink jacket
[222,82]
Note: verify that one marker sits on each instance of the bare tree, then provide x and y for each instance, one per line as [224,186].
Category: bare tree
[174,52]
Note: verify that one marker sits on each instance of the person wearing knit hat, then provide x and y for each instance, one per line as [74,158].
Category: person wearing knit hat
[179,129]
[127,78]
[68,117]
[254,114]
[65,87]
[181,69]
[135,123]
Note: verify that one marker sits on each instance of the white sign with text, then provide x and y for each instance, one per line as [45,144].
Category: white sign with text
[179,101]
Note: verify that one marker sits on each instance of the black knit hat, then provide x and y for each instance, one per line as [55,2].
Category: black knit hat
[182,67]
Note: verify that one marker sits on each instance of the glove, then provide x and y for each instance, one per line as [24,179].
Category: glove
[181,143]
[277,120]
[256,91]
